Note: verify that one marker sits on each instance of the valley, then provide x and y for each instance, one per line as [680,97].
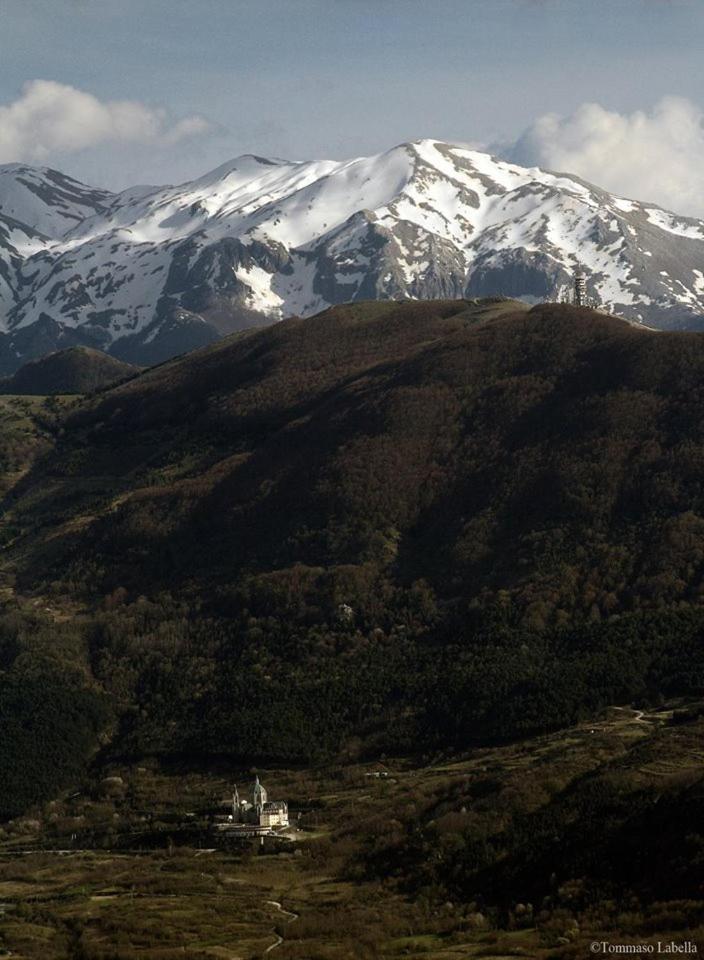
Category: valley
[374,872]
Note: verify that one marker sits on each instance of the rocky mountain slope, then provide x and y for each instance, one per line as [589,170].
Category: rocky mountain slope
[154,271]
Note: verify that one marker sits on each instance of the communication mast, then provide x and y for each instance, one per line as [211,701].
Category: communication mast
[580,290]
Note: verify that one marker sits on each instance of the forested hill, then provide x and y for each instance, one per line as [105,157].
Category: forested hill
[550,459]
[390,527]
[74,370]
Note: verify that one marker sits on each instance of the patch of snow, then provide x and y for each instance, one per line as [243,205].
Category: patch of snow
[626,206]
[677,225]
[261,298]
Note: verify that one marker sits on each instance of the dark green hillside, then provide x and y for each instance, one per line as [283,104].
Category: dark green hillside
[548,460]
[76,370]
[391,527]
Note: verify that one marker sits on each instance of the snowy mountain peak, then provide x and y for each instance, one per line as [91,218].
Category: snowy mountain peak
[153,270]
[45,200]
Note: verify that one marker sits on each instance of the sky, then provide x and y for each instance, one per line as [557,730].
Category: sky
[118,92]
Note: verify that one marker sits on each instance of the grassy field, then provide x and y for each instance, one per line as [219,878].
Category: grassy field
[95,892]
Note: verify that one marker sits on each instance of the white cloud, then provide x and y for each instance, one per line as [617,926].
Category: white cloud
[657,156]
[50,118]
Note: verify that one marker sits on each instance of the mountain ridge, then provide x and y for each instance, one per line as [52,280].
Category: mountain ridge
[152,271]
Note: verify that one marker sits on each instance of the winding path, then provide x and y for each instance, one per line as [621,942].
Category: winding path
[286,913]
[638,716]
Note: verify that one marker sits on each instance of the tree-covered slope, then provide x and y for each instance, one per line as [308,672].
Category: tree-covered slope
[391,527]
[547,458]
[75,370]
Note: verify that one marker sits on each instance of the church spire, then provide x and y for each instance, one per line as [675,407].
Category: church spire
[258,795]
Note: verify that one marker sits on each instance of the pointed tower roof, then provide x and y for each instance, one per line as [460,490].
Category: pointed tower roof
[259,793]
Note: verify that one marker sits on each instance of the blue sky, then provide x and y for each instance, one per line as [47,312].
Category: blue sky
[334,78]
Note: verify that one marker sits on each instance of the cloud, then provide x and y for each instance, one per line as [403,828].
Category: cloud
[50,118]
[657,156]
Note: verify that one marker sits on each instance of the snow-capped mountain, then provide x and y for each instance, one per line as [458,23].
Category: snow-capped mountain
[152,271]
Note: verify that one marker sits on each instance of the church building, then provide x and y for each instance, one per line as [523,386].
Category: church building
[260,811]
